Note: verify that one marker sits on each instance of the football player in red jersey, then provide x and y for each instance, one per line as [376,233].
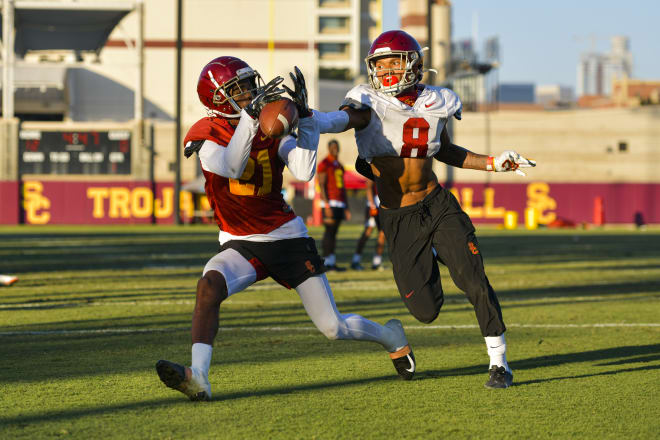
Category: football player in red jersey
[400,126]
[330,174]
[371,222]
[260,236]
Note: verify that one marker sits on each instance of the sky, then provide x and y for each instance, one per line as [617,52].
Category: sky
[541,41]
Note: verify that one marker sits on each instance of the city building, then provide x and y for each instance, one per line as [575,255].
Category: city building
[415,21]
[515,92]
[554,95]
[596,71]
[344,34]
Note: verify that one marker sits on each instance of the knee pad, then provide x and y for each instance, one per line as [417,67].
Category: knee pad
[332,331]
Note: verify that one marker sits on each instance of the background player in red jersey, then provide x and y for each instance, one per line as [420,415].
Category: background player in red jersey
[400,126]
[330,174]
[260,236]
[371,222]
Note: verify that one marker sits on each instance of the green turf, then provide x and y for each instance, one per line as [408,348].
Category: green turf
[96,307]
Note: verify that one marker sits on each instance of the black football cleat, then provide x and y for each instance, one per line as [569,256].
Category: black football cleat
[197,387]
[356,266]
[403,359]
[499,378]
[331,267]
[404,362]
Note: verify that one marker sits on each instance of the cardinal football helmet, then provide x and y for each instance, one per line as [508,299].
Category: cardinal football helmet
[221,80]
[396,44]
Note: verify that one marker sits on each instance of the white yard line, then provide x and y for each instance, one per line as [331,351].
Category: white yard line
[309,329]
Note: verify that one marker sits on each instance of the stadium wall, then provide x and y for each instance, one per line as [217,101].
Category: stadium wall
[117,202]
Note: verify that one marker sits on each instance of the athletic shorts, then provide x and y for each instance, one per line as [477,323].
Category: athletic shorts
[289,262]
[337,213]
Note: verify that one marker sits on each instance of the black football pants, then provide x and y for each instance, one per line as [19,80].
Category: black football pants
[438,223]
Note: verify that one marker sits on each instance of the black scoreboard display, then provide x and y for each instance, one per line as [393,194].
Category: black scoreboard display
[74,152]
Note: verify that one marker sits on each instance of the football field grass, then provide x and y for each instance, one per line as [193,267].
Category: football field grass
[96,307]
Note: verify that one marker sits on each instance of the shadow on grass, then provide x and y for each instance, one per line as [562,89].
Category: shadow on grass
[624,355]
[582,376]
[98,249]
[218,398]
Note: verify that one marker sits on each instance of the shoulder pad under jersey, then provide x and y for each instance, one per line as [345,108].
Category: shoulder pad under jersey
[358,98]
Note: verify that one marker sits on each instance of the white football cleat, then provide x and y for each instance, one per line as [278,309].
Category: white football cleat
[7,280]
[403,358]
[190,381]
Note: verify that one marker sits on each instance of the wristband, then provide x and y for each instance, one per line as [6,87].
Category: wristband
[489,164]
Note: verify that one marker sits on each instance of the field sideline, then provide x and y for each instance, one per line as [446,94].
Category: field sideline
[96,307]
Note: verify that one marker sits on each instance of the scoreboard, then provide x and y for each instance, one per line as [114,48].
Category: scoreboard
[74,152]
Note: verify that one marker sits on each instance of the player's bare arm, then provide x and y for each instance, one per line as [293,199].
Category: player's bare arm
[357,118]
[323,182]
[460,157]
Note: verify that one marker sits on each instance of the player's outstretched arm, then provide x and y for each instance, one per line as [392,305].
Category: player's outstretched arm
[509,161]
[299,93]
[342,120]
[299,153]
[460,157]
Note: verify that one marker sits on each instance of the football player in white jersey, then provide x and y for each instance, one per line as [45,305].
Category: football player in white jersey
[400,127]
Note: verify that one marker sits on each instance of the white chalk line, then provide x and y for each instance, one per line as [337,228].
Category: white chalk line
[313,329]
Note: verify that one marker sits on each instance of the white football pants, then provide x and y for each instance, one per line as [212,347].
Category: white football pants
[317,299]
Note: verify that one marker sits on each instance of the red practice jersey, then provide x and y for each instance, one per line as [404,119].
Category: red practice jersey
[253,203]
[335,183]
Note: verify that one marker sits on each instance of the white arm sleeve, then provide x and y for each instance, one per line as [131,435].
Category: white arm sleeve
[299,155]
[331,122]
[230,161]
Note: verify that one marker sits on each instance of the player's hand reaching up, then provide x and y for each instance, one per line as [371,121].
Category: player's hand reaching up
[267,93]
[299,95]
[509,161]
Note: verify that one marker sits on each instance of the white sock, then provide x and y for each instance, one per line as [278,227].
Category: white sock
[497,351]
[330,260]
[357,258]
[201,357]
[377,260]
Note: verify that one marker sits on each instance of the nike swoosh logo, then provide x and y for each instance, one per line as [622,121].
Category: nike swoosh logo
[412,365]
[410,294]
[264,137]
[429,105]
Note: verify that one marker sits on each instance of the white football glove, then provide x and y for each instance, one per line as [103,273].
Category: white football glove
[509,161]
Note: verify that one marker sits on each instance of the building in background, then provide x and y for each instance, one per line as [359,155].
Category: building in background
[84,107]
[628,92]
[554,95]
[343,36]
[515,92]
[596,71]
[415,21]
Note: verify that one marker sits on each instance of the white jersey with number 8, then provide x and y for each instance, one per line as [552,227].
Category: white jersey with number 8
[396,129]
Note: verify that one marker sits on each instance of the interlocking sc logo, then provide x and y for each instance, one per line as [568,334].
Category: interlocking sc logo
[35,203]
